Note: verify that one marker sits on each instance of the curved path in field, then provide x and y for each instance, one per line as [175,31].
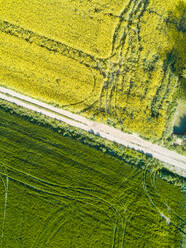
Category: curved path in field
[172,160]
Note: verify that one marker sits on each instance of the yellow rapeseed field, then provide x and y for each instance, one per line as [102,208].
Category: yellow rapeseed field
[111,60]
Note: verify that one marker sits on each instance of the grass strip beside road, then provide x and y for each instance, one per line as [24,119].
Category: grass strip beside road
[172,160]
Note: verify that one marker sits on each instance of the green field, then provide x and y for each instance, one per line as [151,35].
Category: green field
[57,192]
[113,61]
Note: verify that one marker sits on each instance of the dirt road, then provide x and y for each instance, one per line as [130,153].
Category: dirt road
[172,160]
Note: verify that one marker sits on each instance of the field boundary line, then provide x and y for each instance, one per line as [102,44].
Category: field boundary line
[6,185]
[171,159]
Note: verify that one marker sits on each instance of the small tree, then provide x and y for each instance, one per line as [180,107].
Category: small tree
[176,56]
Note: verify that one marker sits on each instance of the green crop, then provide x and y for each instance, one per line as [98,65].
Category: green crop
[57,192]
